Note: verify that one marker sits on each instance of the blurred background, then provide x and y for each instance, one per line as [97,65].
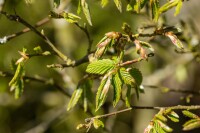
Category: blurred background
[42,107]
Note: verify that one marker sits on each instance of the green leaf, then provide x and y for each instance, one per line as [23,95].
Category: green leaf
[191,124]
[75,97]
[167,6]
[18,74]
[102,91]
[100,66]
[19,87]
[79,7]
[147,45]
[86,11]
[164,126]
[97,123]
[155,9]
[117,86]
[126,77]
[87,94]
[56,3]
[173,116]
[118,4]
[158,127]
[104,3]
[128,96]
[161,117]
[189,114]
[178,7]
[70,17]
[137,75]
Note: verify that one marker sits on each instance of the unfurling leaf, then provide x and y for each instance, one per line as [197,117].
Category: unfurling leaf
[70,17]
[86,11]
[173,116]
[17,82]
[18,74]
[155,9]
[117,86]
[100,66]
[102,91]
[191,124]
[75,97]
[175,40]
[178,7]
[128,96]
[118,4]
[97,123]
[164,126]
[161,117]
[104,3]
[189,114]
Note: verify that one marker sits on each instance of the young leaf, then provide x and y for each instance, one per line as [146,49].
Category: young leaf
[102,91]
[75,97]
[97,123]
[178,7]
[70,17]
[104,3]
[19,87]
[86,11]
[128,96]
[126,77]
[191,124]
[79,7]
[175,40]
[18,74]
[189,114]
[117,85]
[100,66]
[173,116]
[155,9]
[164,126]
[137,75]
[118,4]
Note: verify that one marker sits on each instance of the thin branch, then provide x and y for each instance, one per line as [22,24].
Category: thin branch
[84,59]
[14,35]
[22,21]
[166,89]
[38,79]
[178,107]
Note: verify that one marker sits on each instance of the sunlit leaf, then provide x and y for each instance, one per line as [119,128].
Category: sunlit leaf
[86,11]
[126,77]
[102,91]
[97,123]
[117,85]
[173,116]
[100,66]
[191,124]
[155,9]
[104,3]
[75,97]
[189,114]
[118,4]
[178,7]
[18,73]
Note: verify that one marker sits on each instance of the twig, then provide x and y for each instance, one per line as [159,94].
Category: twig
[41,80]
[74,64]
[38,24]
[178,107]
[22,21]
[166,89]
